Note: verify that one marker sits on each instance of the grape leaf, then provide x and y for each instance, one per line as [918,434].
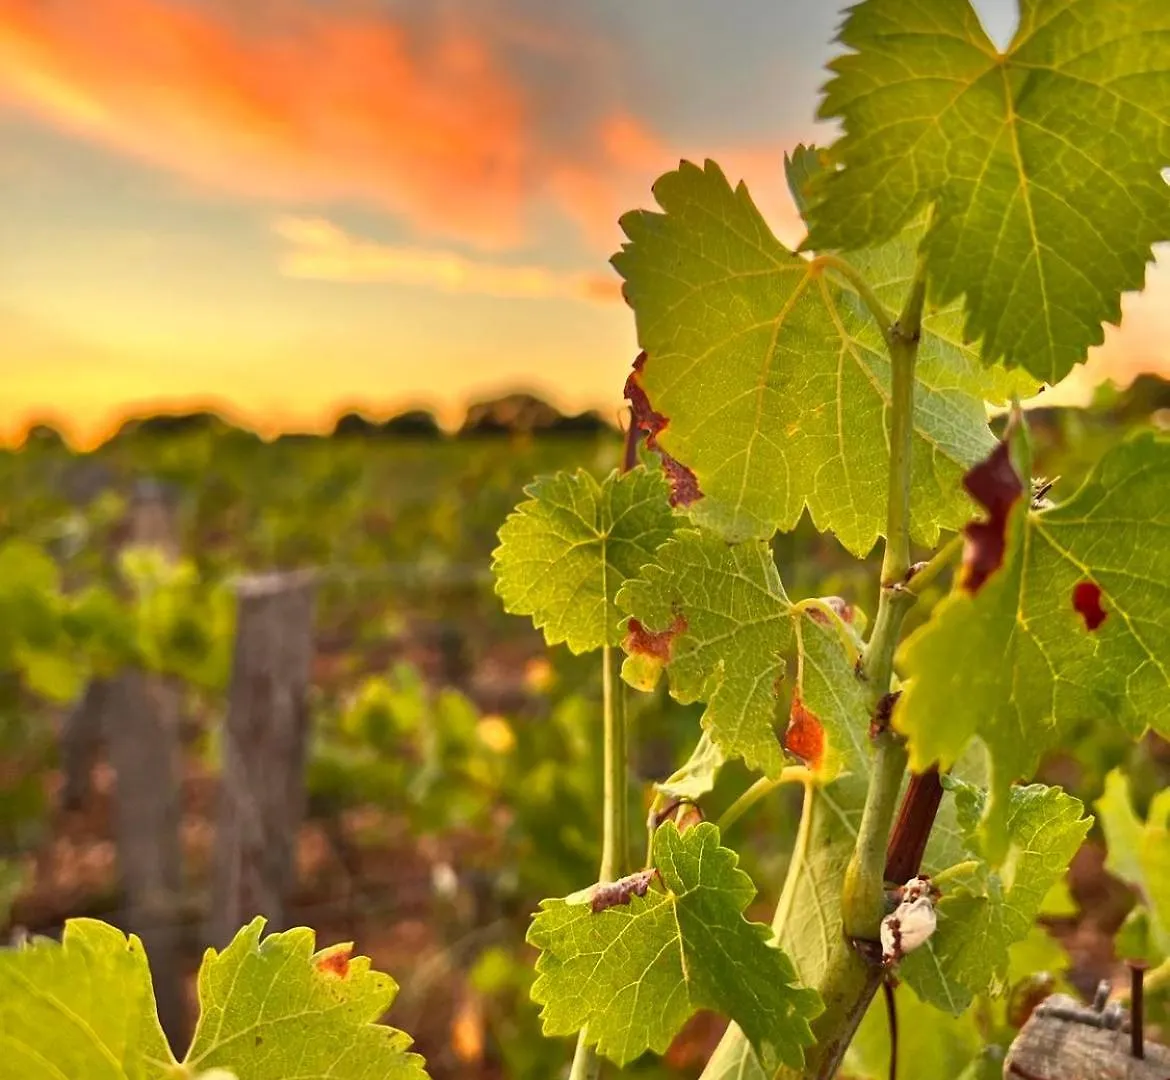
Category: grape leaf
[947,366]
[808,916]
[565,551]
[731,624]
[695,777]
[771,382]
[1042,164]
[1139,852]
[85,1008]
[1021,660]
[984,911]
[632,975]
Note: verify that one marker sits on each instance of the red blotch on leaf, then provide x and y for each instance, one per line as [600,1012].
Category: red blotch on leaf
[335,961]
[655,643]
[805,736]
[995,485]
[1087,600]
[684,484]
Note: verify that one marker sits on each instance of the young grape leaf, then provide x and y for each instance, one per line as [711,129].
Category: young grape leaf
[984,911]
[271,1008]
[565,551]
[632,974]
[696,776]
[1139,852]
[1023,657]
[771,381]
[730,624]
[1042,164]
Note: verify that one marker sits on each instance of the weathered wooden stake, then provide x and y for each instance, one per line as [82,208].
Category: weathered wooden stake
[81,736]
[140,723]
[1064,1040]
[265,734]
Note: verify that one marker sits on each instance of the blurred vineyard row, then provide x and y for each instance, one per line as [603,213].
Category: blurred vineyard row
[453,774]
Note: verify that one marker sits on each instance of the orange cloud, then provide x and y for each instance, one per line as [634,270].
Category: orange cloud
[427,116]
[321,251]
[308,103]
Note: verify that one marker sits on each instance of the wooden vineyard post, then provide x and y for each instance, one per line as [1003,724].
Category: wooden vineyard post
[81,735]
[1064,1040]
[265,735]
[140,723]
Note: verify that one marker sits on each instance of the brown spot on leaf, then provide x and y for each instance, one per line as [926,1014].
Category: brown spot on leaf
[840,606]
[1087,601]
[684,485]
[612,893]
[655,643]
[805,736]
[995,485]
[335,961]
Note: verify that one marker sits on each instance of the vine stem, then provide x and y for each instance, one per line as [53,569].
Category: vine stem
[849,981]
[615,824]
[863,896]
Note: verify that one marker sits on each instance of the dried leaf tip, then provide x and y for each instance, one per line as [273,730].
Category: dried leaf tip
[614,893]
[684,485]
[335,960]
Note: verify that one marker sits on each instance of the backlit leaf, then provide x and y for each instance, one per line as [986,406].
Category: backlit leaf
[731,626]
[984,911]
[270,1010]
[1021,660]
[634,973]
[565,552]
[771,381]
[1139,853]
[1043,164]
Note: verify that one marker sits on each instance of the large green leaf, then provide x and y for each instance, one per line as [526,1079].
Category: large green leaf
[633,973]
[1071,627]
[270,1009]
[718,615]
[565,552]
[771,382]
[1139,852]
[1043,164]
[984,911]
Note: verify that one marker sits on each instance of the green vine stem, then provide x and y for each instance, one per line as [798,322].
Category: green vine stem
[615,828]
[863,895]
[615,824]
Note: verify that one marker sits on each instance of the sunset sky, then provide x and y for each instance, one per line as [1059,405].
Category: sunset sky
[282,208]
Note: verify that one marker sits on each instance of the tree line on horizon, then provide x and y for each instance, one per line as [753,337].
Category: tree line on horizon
[522,413]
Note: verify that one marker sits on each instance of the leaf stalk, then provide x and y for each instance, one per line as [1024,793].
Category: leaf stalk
[615,824]
[859,285]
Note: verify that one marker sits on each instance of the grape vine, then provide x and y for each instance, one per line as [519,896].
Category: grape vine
[968,233]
